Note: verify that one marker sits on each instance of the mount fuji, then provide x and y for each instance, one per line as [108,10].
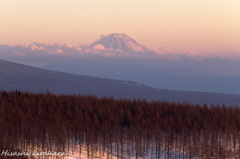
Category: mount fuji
[119,42]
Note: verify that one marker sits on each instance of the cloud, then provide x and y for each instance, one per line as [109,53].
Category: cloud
[58,49]
[69,50]
[40,49]
[34,47]
[158,50]
[98,47]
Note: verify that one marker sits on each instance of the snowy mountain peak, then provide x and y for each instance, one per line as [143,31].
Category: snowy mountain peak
[119,41]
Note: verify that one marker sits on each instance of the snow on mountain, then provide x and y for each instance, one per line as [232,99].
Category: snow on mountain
[120,42]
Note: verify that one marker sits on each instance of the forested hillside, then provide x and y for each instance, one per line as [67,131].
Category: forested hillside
[127,127]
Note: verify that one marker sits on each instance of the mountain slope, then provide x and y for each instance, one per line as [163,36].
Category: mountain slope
[120,42]
[15,76]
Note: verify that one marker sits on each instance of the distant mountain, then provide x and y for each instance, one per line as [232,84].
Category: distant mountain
[120,42]
[15,76]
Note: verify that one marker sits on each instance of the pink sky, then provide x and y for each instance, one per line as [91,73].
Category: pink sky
[201,26]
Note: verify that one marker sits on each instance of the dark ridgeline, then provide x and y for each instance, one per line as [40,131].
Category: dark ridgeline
[129,128]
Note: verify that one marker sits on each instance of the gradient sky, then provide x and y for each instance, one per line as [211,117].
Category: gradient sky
[197,25]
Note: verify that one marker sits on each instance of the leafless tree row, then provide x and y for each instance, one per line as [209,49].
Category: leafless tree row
[106,126]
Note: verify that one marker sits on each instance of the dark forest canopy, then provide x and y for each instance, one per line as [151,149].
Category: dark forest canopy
[88,112]
[50,122]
